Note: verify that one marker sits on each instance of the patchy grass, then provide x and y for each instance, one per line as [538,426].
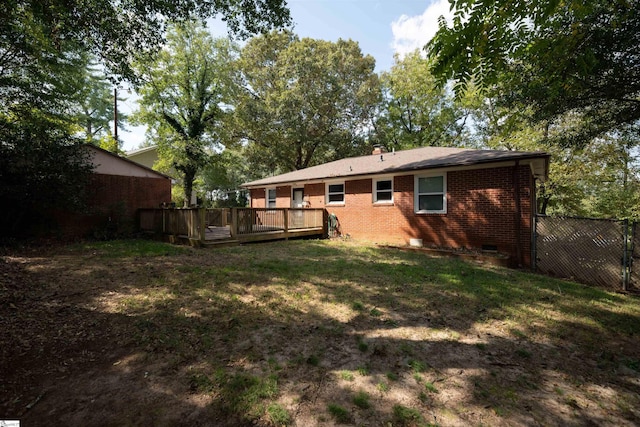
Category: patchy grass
[339,413]
[307,333]
[362,400]
[278,415]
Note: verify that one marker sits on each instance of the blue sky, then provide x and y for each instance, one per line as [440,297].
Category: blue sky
[381,27]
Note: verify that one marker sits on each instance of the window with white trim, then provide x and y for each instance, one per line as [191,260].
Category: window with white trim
[335,193]
[383,190]
[271,198]
[431,194]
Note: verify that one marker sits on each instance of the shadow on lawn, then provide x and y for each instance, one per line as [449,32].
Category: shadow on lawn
[201,337]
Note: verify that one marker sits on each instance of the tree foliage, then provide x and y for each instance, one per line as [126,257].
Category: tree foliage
[184,97]
[304,101]
[41,165]
[416,112]
[223,176]
[118,31]
[93,106]
[42,168]
[559,58]
[42,48]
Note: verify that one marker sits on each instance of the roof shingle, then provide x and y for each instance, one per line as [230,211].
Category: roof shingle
[403,161]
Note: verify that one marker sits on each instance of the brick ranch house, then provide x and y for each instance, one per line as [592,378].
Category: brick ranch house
[448,197]
[117,188]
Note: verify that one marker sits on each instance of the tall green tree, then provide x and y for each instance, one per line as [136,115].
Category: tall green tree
[185,97]
[42,44]
[559,58]
[41,165]
[416,111]
[94,106]
[304,101]
[223,176]
[595,179]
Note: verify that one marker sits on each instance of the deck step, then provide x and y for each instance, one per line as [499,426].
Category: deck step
[220,243]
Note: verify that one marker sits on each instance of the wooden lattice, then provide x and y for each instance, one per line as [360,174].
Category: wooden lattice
[585,250]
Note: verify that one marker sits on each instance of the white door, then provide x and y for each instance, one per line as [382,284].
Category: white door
[297,202]
[298,198]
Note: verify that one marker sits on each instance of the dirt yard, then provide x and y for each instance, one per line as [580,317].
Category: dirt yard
[306,333]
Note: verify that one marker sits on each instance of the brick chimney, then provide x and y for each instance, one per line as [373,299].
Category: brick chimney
[378,149]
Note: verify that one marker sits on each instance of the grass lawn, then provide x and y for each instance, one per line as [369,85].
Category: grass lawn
[306,333]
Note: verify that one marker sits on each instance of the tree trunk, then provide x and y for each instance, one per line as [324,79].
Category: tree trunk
[187,186]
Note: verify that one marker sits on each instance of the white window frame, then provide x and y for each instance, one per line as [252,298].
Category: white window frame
[343,192]
[374,190]
[417,194]
[267,200]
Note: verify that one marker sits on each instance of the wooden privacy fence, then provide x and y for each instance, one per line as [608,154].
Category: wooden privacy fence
[590,251]
[242,223]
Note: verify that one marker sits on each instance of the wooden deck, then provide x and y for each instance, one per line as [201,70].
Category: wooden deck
[223,227]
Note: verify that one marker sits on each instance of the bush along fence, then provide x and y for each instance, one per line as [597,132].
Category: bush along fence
[599,252]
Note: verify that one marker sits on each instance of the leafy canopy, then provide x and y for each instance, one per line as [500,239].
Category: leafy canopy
[304,101]
[42,46]
[557,57]
[184,98]
[415,111]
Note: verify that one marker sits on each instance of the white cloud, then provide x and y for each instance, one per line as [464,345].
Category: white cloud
[413,32]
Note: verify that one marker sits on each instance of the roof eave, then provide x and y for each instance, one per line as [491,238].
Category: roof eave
[543,156]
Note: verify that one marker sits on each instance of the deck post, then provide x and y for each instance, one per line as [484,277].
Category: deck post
[285,220]
[234,223]
[203,224]
[325,224]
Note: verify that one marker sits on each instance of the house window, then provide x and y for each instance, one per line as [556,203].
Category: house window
[335,193]
[431,194]
[271,198]
[383,191]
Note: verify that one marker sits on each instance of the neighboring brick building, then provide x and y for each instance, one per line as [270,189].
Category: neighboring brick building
[117,189]
[448,197]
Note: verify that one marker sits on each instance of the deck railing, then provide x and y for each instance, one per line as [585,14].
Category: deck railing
[242,222]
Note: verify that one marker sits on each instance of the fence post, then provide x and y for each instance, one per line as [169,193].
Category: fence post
[285,219]
[234,222]
[625,256]
[534,244]
[203,225]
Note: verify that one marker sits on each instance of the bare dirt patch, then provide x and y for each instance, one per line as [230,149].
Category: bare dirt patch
[306,333]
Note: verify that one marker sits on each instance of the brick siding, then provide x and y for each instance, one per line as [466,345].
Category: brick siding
[113,203]
[481,210]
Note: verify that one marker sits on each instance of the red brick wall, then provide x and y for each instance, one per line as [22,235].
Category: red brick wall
[283,197]
[314,194]
[113,202]
[481,210]
[131,192]
[258,197]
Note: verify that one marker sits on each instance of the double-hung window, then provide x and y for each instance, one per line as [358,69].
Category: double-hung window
[335,193]
[431,194]
[383,190]
[271,198]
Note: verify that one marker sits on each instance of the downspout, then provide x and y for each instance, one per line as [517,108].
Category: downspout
[518,212]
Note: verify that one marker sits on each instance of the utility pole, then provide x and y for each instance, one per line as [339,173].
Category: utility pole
[115,113]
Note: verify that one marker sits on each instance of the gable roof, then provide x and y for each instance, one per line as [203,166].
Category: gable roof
[406,161]
[141,150]
[108,163]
